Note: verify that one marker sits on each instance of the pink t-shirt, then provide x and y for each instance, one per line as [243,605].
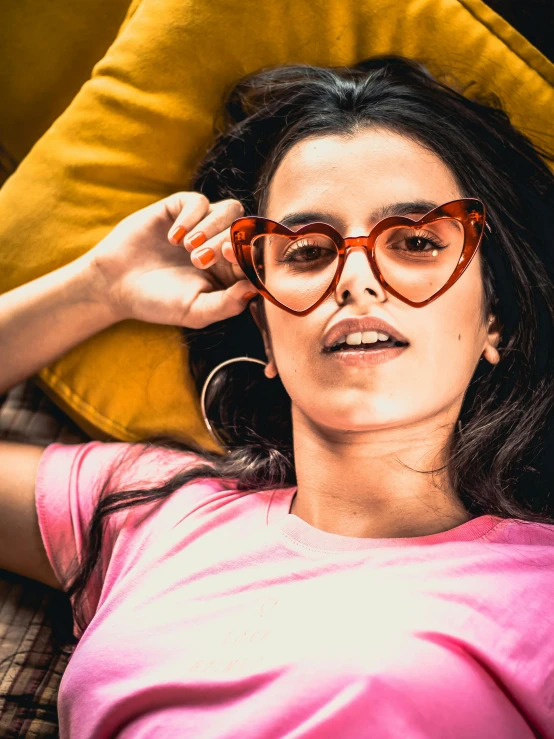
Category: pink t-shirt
[220,615]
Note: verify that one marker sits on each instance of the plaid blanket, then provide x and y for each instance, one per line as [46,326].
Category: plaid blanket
[32,659]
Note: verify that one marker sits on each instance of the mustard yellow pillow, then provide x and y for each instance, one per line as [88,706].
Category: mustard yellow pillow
[136,130]
[47,51]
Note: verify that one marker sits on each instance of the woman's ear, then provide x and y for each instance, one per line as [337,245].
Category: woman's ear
[490,352]
[256,311]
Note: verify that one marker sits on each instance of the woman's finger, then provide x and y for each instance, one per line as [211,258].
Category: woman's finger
[208,253]
[230,260]
[193,209]
[210,256]
[228,252]
[219,218]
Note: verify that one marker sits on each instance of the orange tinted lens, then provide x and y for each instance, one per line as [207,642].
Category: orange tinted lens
[418,261]
[295,270]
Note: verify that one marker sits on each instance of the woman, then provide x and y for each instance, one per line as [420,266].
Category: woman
[373,555]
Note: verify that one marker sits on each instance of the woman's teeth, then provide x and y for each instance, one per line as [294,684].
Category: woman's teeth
[365,340]
[361,337]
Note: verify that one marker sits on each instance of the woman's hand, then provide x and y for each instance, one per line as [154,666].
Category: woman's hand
[145,273]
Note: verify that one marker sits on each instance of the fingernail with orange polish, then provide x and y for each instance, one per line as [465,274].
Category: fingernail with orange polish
[205,256]
[177,233]
[197,239]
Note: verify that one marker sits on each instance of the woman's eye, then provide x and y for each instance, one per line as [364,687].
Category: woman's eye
[418,244]
[304,251]
[307,250]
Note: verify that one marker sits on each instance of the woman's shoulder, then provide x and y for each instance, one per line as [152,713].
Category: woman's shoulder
[135,480]
[148,462]
[526,546]
[84,472]
[518,531]
[125,462]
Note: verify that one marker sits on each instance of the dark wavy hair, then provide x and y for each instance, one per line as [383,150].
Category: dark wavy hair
[501,461]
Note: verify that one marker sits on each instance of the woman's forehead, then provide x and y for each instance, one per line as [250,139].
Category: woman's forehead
[369,174]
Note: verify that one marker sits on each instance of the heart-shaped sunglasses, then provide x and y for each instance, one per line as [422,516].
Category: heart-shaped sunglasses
[416,261]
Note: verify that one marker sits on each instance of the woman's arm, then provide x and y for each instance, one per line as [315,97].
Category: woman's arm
[43,319]
[39,321]
[21,547]
[136,272]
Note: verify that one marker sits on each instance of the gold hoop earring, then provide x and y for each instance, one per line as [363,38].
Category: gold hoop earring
[211,431]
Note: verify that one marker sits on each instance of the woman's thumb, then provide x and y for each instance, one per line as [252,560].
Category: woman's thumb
[210,307]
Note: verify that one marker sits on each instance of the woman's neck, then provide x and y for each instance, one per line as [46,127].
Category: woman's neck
[376,484]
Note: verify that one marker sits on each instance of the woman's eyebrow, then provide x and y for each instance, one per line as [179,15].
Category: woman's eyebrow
[413,207]
[303,217]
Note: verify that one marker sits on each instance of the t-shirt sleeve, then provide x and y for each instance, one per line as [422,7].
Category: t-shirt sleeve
[70,480]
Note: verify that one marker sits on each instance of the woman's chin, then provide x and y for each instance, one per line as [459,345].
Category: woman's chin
[353,421]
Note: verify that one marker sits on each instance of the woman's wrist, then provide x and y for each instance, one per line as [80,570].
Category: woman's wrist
[45,318]
[88,285]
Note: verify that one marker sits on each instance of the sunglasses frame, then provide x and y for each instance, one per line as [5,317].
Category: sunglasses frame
[470,212]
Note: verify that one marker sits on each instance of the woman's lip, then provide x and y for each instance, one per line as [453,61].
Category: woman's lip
[363,357]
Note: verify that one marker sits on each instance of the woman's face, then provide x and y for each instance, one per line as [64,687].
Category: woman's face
[346,180]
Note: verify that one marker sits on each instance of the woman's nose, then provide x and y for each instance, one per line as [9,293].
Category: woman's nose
[358,276]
